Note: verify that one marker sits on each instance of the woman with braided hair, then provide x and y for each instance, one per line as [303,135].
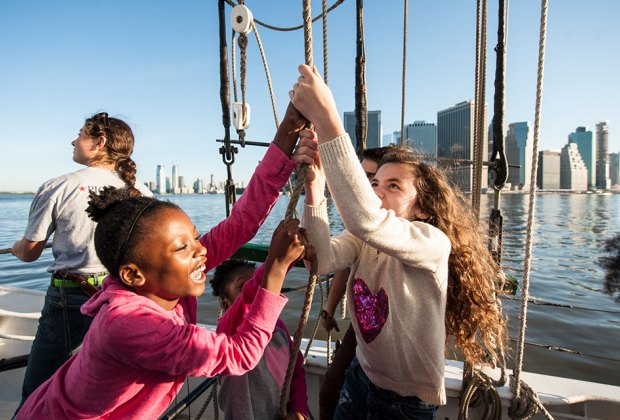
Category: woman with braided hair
[104,145]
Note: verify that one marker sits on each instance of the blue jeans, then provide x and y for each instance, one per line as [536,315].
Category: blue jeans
[61,330]
[361,399]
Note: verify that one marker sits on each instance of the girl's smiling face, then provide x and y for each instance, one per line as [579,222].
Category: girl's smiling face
[394,184]
[171,260]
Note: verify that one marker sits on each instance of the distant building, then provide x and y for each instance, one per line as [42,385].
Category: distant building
[548,174]
[174,186]
[603,180]
[614,168]
[374,129]
[422,137]
[161,179]
[584,139]
[573,171]
[455,140]
[519,152]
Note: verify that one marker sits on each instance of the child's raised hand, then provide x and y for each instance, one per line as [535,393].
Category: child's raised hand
[313,98]
[286,243]
[288,131]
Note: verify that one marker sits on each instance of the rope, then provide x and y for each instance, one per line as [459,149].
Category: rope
[316,325]
[212,397]
[233,65]
[517,385]
[293,28]
[536,301]
[262,54]
[480,389]
[325,41]
[361,107]
[290,211]
[402,112]
[481,39]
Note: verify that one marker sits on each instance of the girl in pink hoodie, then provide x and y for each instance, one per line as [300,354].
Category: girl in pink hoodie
[143,341]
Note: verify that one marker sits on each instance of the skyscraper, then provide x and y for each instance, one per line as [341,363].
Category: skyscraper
[614,168]
[161,179]
[573,171]
[422,137]
[455,140]
[174,187]
[584,140]
[548,174]
[602,156]
[374,129]
[519,152]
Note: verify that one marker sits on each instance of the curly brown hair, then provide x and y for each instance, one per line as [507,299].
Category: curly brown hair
[473,311]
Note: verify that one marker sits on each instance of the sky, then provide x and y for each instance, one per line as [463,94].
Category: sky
[155,64]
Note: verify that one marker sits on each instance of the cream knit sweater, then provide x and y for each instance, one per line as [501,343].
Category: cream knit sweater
[396,292]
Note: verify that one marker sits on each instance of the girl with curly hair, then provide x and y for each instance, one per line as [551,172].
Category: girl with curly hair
[421,272]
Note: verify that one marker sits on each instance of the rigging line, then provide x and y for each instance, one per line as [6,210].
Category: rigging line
[552,347]
[479,124]
[233,65]
[301,177]
[536,301]
[404,79]
[532,199]
[325,42]
[262,54]
[293,28]
[361,105]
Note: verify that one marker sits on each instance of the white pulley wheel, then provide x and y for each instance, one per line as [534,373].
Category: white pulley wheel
[241,18]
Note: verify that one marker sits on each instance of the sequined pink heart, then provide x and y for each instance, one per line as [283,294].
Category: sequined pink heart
[371,310]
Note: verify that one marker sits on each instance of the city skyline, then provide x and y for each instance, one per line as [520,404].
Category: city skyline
[159,71]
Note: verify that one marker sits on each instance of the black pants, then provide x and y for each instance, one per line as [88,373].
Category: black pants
[334,377]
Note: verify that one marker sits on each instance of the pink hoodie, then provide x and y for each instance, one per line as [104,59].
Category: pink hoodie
[233,319]
[136,355]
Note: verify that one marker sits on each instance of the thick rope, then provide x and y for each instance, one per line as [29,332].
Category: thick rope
[325,41]
[402,109]
[480,389]
[233,65]
[481,37]
[317,322]
[361,106]
[531,207]
[303,320]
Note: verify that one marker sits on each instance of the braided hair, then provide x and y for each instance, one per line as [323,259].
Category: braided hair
[119,144]
[123,220]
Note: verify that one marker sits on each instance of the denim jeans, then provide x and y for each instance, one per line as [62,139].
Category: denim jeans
[361,399]
[61,330]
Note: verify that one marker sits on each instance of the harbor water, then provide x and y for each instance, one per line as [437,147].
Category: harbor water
[576,337]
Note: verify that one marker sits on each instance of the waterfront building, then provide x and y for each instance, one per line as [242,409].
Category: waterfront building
[573,170]
[161,179]
[584,139]
[422,137]
[174,187]
[455,141]
[614,168]
[395,138]
[374,129]
[603,180]
[548,173]
[519,152]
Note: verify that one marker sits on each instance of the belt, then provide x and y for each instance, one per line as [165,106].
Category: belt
[85,282]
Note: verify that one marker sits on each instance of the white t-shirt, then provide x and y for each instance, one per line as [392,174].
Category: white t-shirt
[60,206]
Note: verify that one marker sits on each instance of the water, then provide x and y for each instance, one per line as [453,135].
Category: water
[569,233]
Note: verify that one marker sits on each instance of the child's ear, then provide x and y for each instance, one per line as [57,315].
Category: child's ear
[131,275]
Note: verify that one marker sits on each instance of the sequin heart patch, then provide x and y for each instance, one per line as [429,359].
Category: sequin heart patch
[371,310]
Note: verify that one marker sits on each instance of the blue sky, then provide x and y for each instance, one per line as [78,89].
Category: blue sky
[155,64]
